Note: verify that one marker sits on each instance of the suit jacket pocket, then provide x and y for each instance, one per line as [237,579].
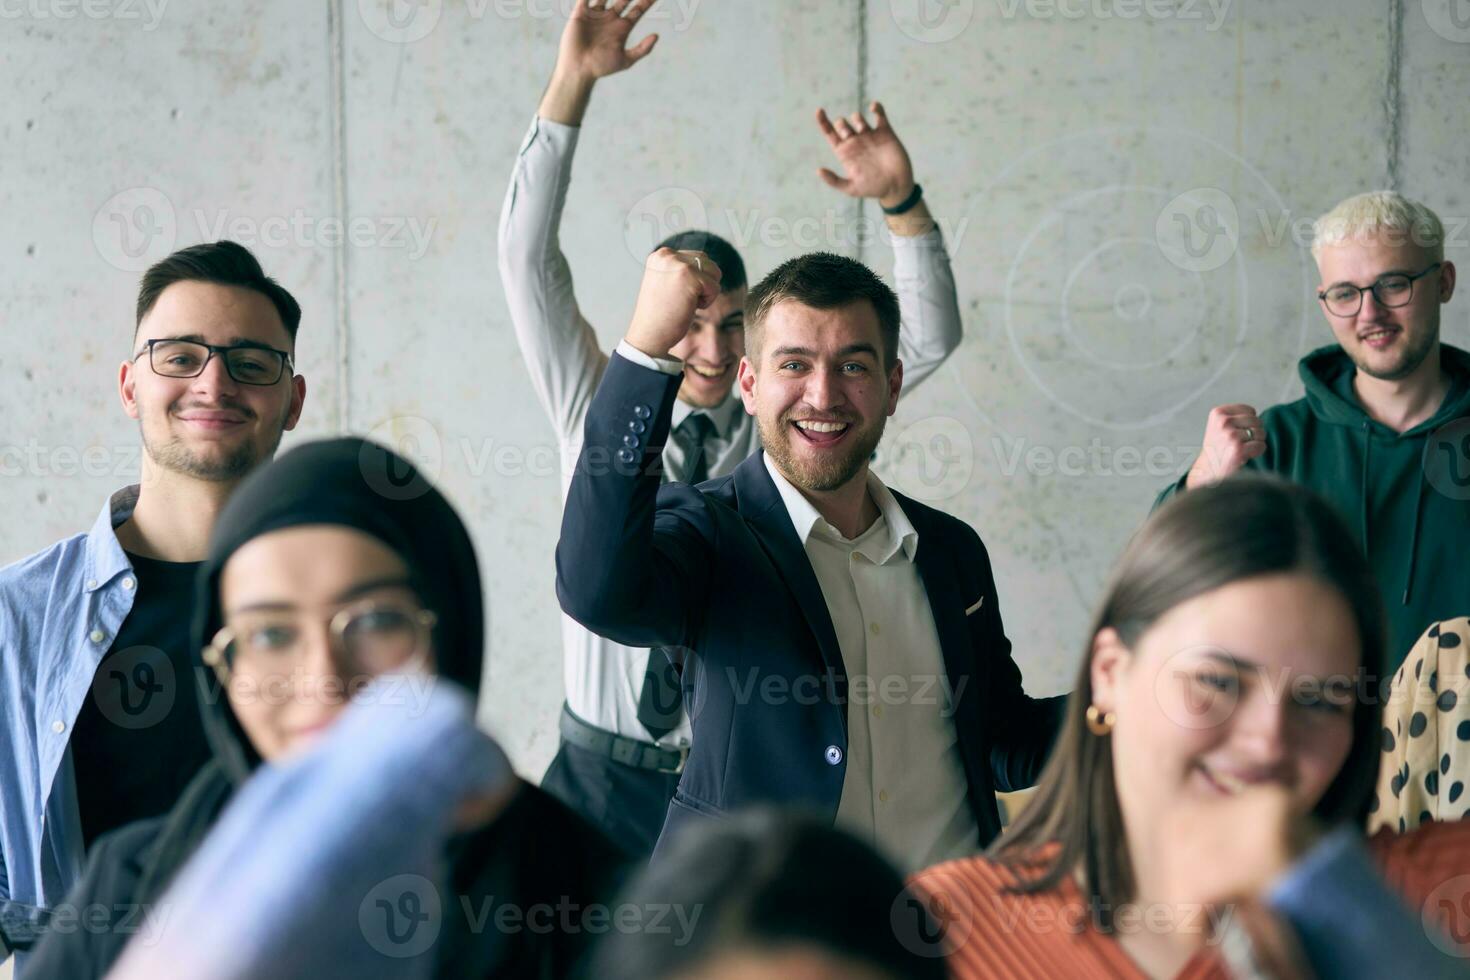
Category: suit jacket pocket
[684,801]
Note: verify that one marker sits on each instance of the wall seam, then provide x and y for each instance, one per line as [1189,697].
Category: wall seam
[336,44]
[862,105]
[1391,100]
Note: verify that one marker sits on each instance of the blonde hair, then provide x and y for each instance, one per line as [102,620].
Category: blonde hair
[1385,214]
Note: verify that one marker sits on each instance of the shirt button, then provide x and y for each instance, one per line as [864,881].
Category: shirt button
[58,727]
[833,755]
[91,583]
[127,583]
[877,711]
[642,411]
[97,636]
[883,796]
[875,630]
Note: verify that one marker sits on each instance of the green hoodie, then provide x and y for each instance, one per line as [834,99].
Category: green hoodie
[1415,529]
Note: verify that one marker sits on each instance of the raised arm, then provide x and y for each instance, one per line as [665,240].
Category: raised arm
[633,563]
[559,345]
[877,166]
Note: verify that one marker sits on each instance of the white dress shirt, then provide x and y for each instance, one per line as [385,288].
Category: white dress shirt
[905,791]
[604,679]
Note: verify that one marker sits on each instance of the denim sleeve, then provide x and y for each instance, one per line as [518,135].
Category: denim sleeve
[1351,924]
[330,864]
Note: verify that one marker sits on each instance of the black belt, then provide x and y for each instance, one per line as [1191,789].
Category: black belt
[628,751]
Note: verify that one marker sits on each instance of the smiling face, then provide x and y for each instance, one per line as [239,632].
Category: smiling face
[819,391]
[1385,342]
[1250,682]
[210,427]
[279,593]
[712,349]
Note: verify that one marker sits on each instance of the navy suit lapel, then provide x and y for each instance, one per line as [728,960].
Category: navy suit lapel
[947,602]
[765,513]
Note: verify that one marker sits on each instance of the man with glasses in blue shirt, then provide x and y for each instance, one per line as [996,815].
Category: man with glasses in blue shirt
[1384,429]
[97,688]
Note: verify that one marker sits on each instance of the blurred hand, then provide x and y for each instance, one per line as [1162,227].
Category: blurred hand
[1233,435]
[874,159]
[594,42]
[675,284]
[1233,848]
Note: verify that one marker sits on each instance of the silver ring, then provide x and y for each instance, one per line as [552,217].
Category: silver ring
[1249,433]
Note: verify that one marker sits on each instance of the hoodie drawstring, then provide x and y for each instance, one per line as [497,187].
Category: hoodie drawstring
[1367,450]
[1414,536]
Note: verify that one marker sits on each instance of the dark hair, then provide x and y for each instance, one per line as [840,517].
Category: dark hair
[1244,527]
[225,263]
[768,879]
[732,267]
[823,281]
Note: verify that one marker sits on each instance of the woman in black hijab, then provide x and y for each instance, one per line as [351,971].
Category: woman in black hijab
[391,575]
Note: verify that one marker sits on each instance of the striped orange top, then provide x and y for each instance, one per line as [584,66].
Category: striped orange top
[994,932]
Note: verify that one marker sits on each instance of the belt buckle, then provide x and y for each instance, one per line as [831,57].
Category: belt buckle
[683,758]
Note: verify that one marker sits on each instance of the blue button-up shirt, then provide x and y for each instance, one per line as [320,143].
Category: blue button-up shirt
[59,612]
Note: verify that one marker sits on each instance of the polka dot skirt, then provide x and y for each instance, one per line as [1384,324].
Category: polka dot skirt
[1426,733]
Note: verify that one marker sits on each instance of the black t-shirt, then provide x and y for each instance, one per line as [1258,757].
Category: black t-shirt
[138,739]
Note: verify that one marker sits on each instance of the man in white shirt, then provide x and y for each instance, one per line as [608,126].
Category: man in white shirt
[844,651]
[625,737]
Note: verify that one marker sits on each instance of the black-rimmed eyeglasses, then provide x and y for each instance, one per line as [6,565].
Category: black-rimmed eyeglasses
[1391,291]
[187,359]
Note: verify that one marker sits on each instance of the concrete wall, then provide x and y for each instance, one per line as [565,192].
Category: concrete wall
[1067,146]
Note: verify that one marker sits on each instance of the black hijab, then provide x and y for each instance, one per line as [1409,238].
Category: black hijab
[352,483]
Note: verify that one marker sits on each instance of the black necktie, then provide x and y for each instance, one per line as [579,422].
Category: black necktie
[693,432]
[660,702]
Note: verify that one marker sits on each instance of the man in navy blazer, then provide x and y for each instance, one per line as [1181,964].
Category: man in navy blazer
[841,644]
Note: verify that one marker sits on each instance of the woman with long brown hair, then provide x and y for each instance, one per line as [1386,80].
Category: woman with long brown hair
[1227,712]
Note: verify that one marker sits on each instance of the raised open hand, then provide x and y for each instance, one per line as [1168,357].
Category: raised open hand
[876,163]
[594,42]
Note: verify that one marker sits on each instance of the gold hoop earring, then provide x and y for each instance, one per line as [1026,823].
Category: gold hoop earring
[1099,723]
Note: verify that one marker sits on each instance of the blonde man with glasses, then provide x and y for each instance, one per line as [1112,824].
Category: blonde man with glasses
[1384,429]
[97,691]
